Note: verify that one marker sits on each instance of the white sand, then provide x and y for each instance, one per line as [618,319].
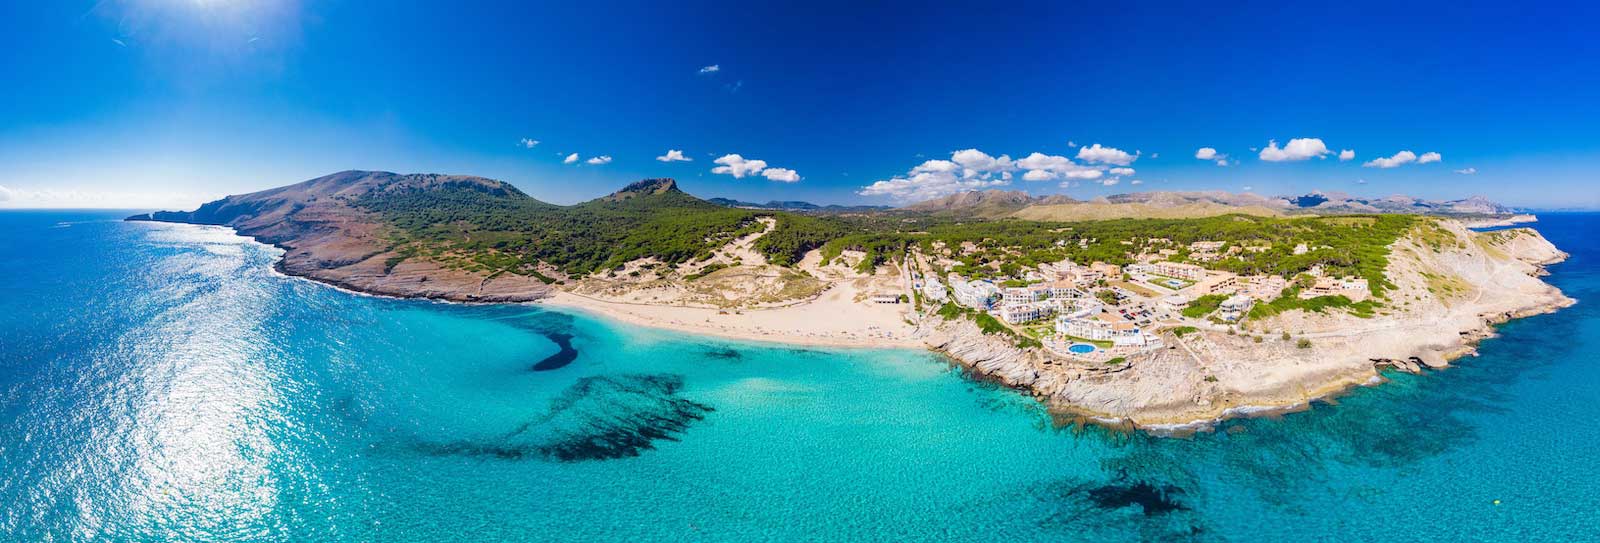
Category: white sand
[832,319]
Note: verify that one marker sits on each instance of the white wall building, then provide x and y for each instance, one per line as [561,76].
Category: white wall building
[979,295]
[1029,312]
[932,289]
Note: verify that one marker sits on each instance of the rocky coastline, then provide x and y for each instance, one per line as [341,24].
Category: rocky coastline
[1186,398]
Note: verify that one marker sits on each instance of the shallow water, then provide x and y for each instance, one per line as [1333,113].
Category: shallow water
[160,382]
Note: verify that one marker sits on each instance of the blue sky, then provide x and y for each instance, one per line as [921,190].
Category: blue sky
[166,103]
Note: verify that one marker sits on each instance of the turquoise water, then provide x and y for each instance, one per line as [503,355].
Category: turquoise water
[1081,348]
[160,382]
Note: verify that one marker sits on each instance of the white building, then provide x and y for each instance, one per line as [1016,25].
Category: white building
[1356,289]
[979,295]
[932,289]
[1028,312]
[1235,307]
[1100,325]
[1179,270]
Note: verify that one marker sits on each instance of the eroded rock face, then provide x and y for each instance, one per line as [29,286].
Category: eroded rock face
[1449,295]
[327,238]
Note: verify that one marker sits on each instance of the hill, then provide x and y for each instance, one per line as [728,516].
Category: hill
[476,239]
[1193,204]
[991,203]
[797,206]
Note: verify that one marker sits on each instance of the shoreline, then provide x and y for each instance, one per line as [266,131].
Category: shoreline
[747,325]
[777,325]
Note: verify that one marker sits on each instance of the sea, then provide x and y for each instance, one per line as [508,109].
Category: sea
[161,382]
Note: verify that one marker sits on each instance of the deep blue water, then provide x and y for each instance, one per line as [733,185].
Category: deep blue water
[160,382]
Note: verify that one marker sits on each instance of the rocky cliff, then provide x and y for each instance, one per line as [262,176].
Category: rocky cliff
[327,238]
[1452,286]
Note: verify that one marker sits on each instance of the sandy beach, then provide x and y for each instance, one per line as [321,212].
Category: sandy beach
[833,319]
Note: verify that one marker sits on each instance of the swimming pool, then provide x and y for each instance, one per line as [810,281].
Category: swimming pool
[1081,348]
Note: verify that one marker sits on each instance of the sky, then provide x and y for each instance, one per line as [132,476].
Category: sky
[170,103]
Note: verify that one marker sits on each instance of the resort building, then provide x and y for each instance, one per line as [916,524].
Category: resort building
[1023,295]
[1106,270]
[1064,290]
[1100,325]
[1264,287]
[885,299]
[1356,289]
[979,295]
[1206,246]
[1179,270]
[932,289]
[1235,307]
[1221,283]
[1028,312]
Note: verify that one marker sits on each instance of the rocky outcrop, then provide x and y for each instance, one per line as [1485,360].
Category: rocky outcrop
[986,355]
[326,237]
[1453,287]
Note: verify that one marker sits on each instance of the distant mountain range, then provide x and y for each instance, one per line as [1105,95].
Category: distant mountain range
[795,205]
[1170,204]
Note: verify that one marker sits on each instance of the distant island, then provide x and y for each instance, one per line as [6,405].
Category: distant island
[1159,310]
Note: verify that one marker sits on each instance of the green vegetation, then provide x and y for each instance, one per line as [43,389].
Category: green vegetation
[492,228]
[1204,305]
[988,324]
[475,227]
[707,270]
[1184,330]
[1116,361]
[1303,343]
[1291,300]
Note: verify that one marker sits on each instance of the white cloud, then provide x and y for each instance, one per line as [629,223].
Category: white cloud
[737,166]
[1347,155]
[1361,181]
[1402,158]
[780,174]
[1463,171]
[714,68]
[1399,159]
[967,169]
[528,143]
[673,155]
[1297,149]
[1207,153]
[602,159]
[926,186]
[6,194]
[940,166]
[1248,188]
[1043,167]
[1095,154]
[1136,182]
[972,169]
[975,162]
[1037,175]
[570,159]
[1222,162]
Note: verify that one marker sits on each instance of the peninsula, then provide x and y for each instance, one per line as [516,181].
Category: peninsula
[1158,310]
